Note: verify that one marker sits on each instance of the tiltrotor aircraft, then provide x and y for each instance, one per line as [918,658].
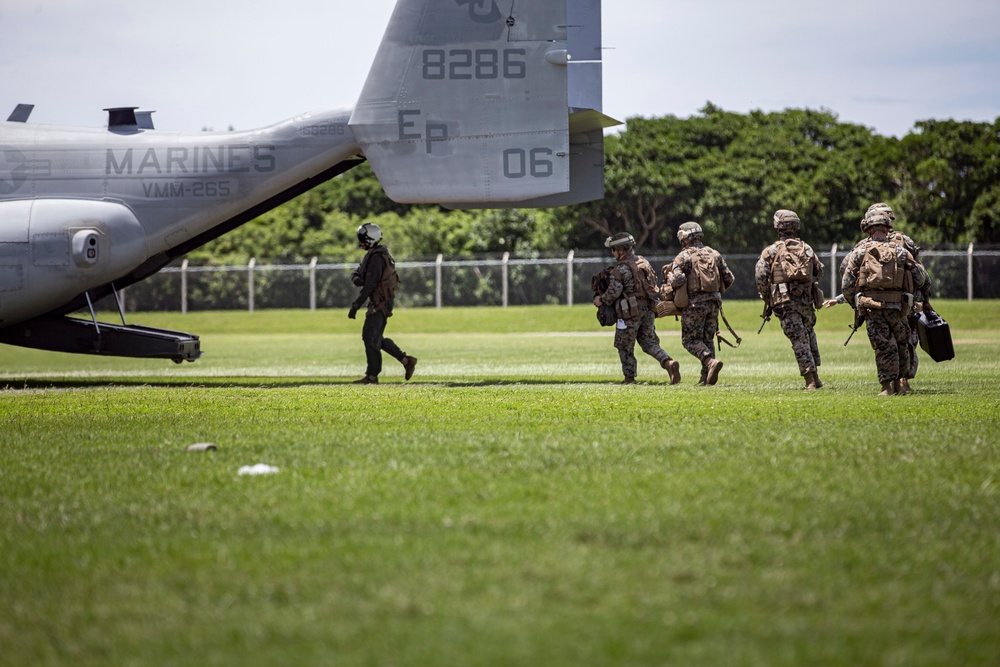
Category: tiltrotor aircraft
[469,103]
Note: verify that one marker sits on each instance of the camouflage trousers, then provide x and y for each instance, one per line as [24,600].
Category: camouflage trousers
[643,331]
[699,324]
[889,333]
[797,321]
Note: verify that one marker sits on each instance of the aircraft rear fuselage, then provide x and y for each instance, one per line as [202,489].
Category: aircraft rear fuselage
[81,207]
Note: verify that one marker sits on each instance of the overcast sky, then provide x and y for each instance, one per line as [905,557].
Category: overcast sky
[248,63]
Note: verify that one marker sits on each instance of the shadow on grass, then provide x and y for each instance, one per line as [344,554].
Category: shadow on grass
[65,384]
[29,384]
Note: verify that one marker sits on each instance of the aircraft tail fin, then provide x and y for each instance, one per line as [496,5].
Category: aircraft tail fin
[473,103]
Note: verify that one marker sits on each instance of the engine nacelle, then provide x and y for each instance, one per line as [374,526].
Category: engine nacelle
[52,250]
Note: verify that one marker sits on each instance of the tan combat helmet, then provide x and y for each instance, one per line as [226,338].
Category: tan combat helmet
[882,207]
[689,231]
[787,221]
[876,219]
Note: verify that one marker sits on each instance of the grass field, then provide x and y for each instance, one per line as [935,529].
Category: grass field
[511,505]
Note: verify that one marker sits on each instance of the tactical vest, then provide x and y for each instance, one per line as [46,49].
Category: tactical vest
[627,305]
[385,292]
[644,279]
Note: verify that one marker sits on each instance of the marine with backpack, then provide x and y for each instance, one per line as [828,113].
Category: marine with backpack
[629,290]
[703,272]
[787,276]
[878,281]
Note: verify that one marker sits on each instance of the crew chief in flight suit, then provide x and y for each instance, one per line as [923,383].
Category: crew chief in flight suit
[376,276]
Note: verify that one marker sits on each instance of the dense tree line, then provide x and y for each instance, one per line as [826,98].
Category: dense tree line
[726,170]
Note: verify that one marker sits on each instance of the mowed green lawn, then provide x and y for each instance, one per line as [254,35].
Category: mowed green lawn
[511,505]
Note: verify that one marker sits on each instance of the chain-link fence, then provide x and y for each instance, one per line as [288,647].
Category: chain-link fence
[957,273]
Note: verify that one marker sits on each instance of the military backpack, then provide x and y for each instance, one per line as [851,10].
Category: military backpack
[880,268]
[793,263]
[883,277]
[606,315]
[704,276]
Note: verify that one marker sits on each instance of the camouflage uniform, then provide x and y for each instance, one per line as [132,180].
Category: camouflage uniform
[796,312]
[700,319]
[641,329]
[921,296]
[888,327]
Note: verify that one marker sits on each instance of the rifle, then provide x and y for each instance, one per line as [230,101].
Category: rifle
[766,316]
[859,319]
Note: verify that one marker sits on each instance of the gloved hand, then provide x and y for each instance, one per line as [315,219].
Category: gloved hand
[353,312]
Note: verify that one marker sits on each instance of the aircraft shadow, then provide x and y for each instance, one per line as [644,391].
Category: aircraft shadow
[29,384]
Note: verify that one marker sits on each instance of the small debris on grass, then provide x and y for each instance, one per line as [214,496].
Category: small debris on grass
[259,469]
[202,447]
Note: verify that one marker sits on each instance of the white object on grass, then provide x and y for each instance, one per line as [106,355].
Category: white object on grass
[259,469]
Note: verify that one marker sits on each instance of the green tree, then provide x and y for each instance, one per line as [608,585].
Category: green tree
[950,178]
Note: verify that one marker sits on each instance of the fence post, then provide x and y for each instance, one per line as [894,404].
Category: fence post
[253,263]
[312,283]
[505,288]
[184,286]
[437,280]
[834,291]
[969,276]
[569,277]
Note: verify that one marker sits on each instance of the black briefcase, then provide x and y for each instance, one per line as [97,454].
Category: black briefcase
[935,336]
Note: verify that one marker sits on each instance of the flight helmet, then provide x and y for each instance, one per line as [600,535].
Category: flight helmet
[369,235]
[620,240]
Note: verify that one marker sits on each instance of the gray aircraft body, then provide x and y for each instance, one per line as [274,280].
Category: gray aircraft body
[469,103]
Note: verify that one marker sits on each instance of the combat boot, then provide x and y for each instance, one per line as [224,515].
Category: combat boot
[628,380]
[819,383]
[904,386]
[673,369]
[368,379]
[713,367]
[896,388]
[887,389]
[409,365]
[812,382]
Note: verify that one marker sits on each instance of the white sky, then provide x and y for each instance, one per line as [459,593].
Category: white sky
[247,63]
